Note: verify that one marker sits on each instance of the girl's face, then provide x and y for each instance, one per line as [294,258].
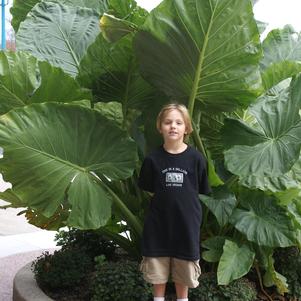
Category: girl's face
[173,127]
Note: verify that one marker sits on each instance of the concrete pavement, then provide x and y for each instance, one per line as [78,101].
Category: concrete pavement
[20,243]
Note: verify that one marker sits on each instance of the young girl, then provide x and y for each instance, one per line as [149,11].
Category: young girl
[176,174]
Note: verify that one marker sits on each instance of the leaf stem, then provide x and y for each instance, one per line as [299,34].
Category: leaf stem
[126,96]
[129,216]
[231,181]
[120,240]
[137,190]
[260,282]
[198,71]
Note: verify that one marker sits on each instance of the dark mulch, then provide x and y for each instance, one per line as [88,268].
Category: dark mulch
[79,293]
[82,291]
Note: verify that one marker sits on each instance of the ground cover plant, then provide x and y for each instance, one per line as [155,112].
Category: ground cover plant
[78,103]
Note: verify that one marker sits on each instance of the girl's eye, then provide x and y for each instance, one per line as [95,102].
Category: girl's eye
[169,122]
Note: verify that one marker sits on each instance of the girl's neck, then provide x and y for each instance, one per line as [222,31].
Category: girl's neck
[174,147]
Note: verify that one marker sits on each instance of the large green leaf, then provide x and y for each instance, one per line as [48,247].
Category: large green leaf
[24,80]
[294,209]
[111,110]
[111,72]
[19,11]
[271,146]
[52,152]
[18,79]
[126,18]
[110,69]
[221,204]
[128,10]
[202,49]
[275,184]
[282,56]
[58,86]
[263,221]
[261,26]
[285,187]
[98,5]
[21,8]
[59,34]
[10,196]
[235,262]
[210,130]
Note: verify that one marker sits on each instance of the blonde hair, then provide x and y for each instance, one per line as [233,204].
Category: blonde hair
[182,109]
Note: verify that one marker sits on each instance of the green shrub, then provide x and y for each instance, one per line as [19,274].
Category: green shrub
[91,242]
[63,269]
[119,281]
[288,263]
[208,290]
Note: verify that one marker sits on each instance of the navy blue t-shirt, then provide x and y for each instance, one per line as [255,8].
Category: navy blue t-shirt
[172,225]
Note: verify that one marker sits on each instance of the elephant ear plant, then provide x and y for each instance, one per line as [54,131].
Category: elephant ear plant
[78,104]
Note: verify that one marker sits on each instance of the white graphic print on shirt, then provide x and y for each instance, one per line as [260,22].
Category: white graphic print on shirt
[174,176]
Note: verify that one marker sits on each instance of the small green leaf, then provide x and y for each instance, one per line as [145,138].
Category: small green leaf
[215,245]
[272,277]
[235,262]
[113,29]
[221,204]
[282,56]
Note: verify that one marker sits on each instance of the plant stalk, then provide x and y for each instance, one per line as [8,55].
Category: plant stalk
[198,141]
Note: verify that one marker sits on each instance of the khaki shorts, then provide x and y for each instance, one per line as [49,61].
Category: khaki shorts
[156,270]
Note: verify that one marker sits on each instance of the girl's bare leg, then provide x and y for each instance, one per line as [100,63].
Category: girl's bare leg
[159,290]
[182,291]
